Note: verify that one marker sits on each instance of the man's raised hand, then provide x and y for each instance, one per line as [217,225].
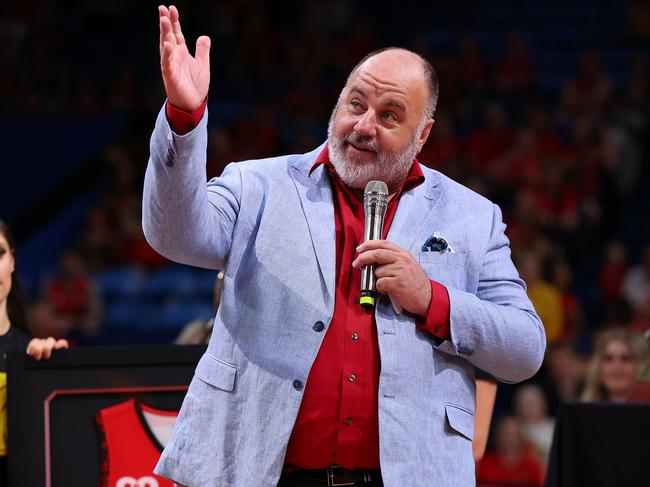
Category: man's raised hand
[186,78]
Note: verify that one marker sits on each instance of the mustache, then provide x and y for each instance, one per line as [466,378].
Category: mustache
[362,141]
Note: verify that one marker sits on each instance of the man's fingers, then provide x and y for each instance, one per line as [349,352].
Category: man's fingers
[202,53]
[378,244]
[387,270]
[176,25]
[377,256]
[162,12]
[386,284]
[166,57]
[166,34]
[61,343]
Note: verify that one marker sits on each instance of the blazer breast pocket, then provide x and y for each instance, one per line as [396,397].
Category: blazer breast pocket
[216,372]
[447,258]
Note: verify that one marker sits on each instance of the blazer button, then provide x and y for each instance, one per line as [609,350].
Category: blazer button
[297,385]
[318,326]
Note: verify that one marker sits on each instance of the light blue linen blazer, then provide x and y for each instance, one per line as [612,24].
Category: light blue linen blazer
[270,226]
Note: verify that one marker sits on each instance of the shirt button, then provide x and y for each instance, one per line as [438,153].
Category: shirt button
[297,385]
[318,326]
[354,336]
[348,421]
[352,377]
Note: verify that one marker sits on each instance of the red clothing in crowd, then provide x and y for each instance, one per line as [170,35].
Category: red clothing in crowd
[527,472]
[70,297]
[484,145]
[338,418]
[610,281]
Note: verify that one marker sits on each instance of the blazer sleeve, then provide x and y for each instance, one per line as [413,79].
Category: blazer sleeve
[496,329]
[182,218]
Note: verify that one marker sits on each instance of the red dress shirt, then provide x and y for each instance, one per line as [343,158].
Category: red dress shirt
[338,418]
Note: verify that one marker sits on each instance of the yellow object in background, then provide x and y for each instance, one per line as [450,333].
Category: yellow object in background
[3,413]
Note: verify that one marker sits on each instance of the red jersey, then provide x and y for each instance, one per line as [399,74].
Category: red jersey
[130,448]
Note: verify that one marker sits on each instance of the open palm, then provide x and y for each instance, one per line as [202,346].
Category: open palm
[186,78]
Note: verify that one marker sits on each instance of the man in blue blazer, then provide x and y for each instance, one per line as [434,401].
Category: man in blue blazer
[275,227]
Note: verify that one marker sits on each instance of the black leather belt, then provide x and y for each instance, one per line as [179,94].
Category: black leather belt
[338,476]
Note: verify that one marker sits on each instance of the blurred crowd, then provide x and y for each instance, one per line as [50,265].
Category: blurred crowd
[568,163]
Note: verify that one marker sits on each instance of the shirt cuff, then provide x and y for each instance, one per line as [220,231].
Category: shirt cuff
[437,319]
[182,122]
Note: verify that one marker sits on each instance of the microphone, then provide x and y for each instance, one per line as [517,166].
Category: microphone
[375,201]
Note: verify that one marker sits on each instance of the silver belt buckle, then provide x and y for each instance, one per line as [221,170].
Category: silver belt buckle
[330,477]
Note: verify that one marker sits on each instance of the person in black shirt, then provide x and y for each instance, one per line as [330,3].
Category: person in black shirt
[14,334]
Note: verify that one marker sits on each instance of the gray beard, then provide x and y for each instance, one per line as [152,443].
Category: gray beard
[389,167]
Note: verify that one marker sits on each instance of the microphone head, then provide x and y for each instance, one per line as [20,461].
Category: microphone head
[376,187]
[376,193]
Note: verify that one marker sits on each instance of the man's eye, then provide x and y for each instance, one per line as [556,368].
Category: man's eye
[389,116]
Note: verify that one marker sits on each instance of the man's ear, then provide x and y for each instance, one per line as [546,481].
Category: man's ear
[425,133]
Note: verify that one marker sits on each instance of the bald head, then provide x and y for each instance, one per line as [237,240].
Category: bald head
[407,63]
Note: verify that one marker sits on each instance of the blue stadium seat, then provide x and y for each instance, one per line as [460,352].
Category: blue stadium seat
[120,282]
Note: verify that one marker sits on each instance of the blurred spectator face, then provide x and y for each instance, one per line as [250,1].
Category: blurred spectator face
[526,139]
[616,253]
[618,370]
[566,371]
[509,439]
[6,268]
[378,125]
[562,275]
[530,404]
[72,265]
[526,205]
[530,268]
[495,116]
[44,320]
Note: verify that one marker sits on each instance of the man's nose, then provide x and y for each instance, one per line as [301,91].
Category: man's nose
[367,124]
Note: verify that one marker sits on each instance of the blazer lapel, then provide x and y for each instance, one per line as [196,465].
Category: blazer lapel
[315,193]
[415,212]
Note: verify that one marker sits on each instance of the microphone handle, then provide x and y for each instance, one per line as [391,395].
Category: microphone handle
[373,231]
